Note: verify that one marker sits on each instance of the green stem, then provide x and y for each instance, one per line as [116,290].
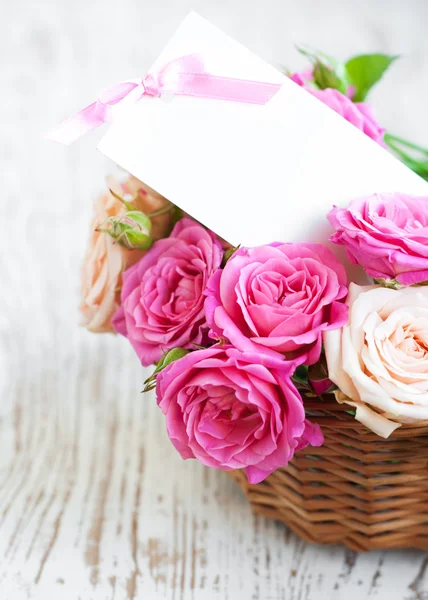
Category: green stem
[389,137]
[396,149]
[128,205]
[162,211]
[419,167]
[403,155]
[156,213]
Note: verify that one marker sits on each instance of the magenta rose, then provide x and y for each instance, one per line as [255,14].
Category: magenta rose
[278,298]
[359,114]
[162,301]
[303,78]
[387,234]
[234,410]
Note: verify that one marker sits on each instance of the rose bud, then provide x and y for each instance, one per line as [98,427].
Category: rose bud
[131,230]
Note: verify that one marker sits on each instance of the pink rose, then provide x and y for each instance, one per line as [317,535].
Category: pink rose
[359,114]
[387,234]
[162,302]
[233,410]
[303,78]
[278,298]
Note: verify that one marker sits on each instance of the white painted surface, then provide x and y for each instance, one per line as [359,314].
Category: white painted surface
[94,502]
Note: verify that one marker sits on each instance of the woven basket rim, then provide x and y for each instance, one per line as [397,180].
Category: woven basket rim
[327,412]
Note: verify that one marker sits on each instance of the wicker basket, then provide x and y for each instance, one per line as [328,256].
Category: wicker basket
[356,489]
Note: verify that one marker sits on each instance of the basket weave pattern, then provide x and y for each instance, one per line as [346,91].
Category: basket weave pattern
[357,489]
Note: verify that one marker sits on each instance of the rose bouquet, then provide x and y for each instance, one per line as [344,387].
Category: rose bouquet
[270,361]
[241,336]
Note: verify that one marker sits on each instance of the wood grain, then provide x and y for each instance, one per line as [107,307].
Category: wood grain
[95,504]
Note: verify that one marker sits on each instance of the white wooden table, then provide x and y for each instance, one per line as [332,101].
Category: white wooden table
[94,501]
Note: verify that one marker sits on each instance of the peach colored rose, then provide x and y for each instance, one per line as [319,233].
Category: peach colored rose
[106,260]
[379,360]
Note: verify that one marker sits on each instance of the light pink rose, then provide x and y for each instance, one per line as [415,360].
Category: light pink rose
[379,360]
[387,234]
[359,114]
[278,298]
[233,410]
[162,302]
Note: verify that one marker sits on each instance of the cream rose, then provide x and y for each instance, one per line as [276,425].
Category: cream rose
[379,360]
[106,260]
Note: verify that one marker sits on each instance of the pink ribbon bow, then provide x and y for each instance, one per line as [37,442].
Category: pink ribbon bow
[183,76]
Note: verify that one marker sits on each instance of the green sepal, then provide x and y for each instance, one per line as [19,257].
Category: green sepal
[391,284]
[324,77]
[128,205]
[228,255]
[131,230]
[328,72]
[169,357]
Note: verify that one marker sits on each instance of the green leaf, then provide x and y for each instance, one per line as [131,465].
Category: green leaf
[365,70]
[301,375]
[169,357]
[228,254]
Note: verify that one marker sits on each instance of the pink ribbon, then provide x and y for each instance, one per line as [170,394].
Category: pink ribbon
[183,76]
